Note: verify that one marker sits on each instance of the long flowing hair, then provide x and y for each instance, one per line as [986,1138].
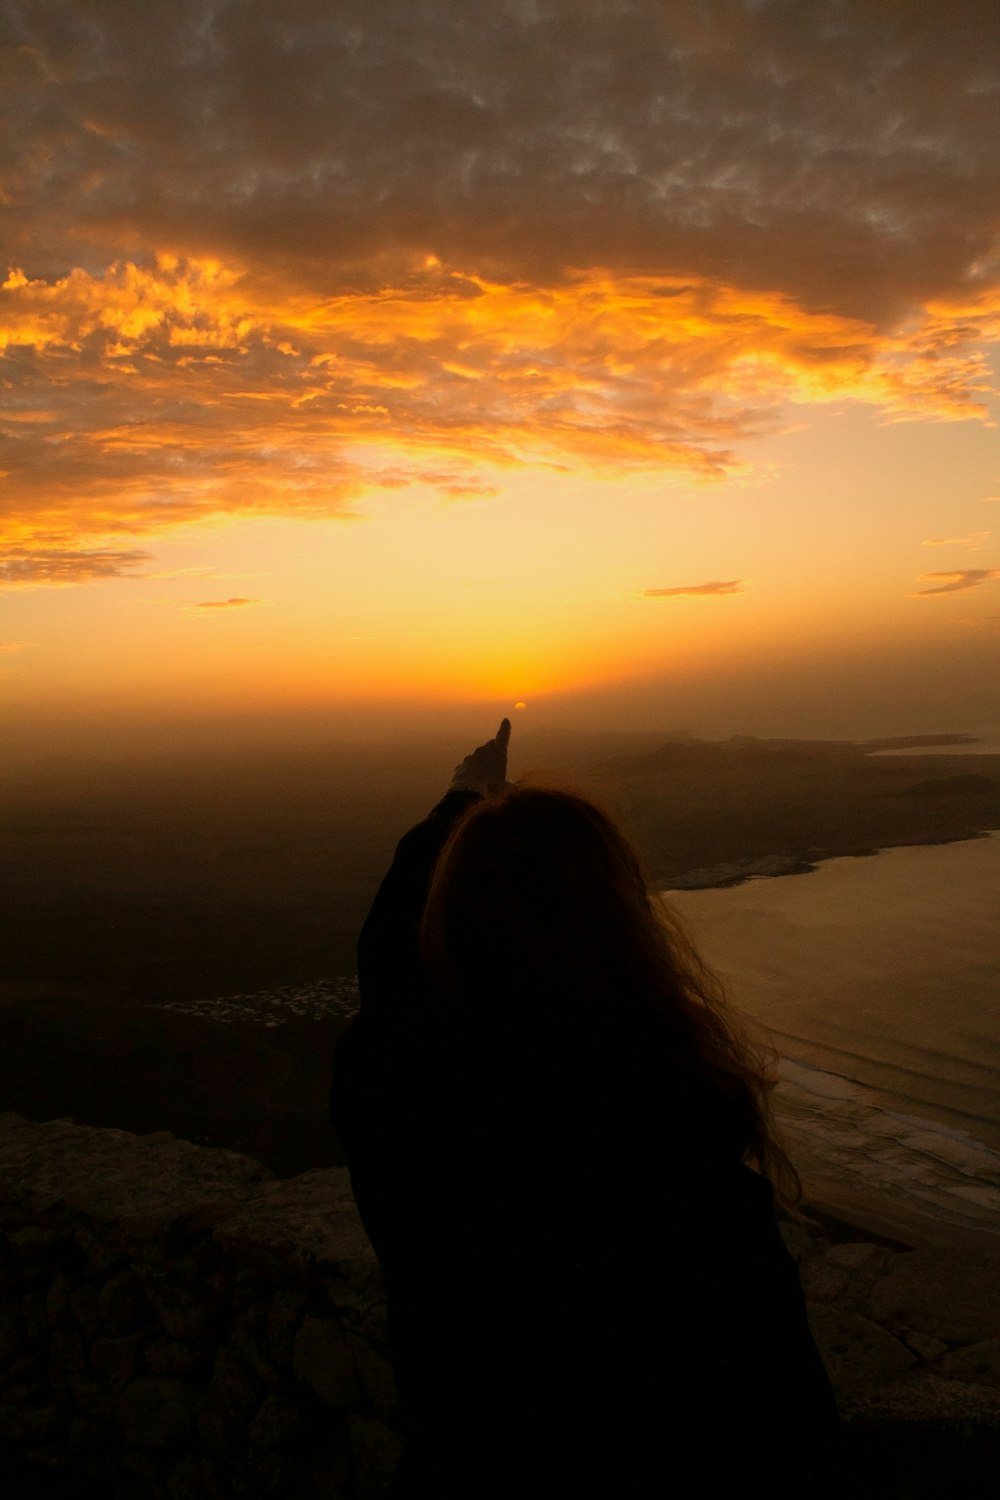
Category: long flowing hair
[539,905]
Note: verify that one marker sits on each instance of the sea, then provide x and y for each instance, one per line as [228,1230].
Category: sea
[878,983]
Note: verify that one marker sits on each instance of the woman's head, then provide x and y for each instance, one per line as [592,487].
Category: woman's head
[536,899]
[539,913]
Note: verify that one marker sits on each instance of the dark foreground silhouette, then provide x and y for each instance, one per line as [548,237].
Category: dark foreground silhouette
[587,1287]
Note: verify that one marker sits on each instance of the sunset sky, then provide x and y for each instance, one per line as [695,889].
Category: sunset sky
[635,361]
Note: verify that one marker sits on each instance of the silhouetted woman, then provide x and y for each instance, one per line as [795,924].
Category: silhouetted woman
[560,1145]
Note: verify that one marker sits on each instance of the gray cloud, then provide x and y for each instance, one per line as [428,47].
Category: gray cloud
[845,150]
[54,566]
[958,581]
[714,589]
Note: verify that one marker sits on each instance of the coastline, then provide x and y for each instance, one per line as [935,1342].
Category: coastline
[776,866]
[851,1213]
[852,981]
[714,815]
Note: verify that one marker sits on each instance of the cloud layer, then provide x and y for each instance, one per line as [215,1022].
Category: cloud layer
[709,590]
[27,567]
[235,603]
[973,539]
[843,150]
[958,581]
[266,258]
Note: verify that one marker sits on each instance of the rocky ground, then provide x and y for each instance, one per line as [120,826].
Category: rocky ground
[911,1341]
[174,1319]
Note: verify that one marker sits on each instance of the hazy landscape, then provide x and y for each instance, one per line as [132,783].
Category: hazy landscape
[178,934]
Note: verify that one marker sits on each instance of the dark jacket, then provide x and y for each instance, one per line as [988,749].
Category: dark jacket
[587,1288]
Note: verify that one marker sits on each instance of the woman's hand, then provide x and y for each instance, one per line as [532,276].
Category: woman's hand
[485,770]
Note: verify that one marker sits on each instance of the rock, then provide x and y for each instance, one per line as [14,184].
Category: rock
[57,1455]
[171,1357]
[93,1397]
[235,1390]
[261,1471]
[29,1393]
[187,1313]
[28,1424]
[193,1478]
[147,1465]
[855,1255]
[122,1306]
[924,1345]
[85,1302]
[86,1435]
[950,1294]
[376,1453]
[305,1221]
[98,1250]
[248,1336]
[283,1318]
[375,1371]
[214,1434]
[34,1315]
[10,1334]
[33,1242]
[275,1421]
[111,1176]
[796,1239]
[977,1363]
[923,1397]
[155,1411]
[327,1469]
[358,1294]
[856,1352]
[322,1359]
[67,1352]
[58,1303]
[116,1358]
[844,1273]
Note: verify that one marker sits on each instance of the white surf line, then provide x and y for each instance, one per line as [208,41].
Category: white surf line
[945,1170]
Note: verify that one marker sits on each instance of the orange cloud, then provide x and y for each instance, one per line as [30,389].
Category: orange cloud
[143,398]
[973,539]
[300,253]
[957,581]
[25,567]
[225,603]
[703,590]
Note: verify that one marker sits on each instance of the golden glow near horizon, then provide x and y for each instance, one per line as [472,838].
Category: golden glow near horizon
[690,426]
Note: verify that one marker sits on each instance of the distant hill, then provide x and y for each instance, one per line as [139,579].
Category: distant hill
[919,741]
[545,745]
[738,749]
[695,805]
[952,786]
